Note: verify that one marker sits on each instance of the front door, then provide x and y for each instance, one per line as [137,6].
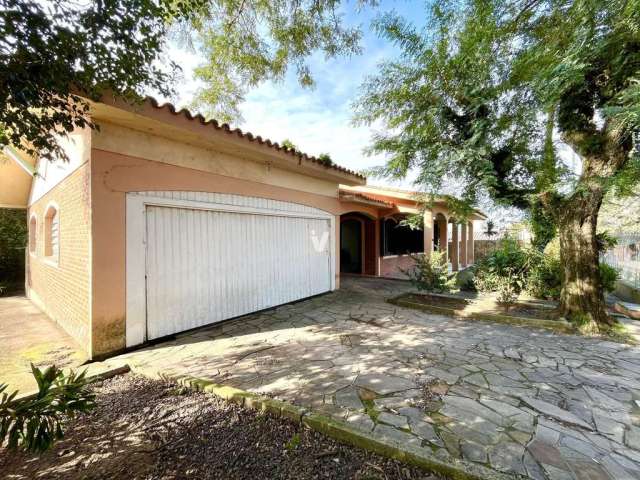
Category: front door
[351,246]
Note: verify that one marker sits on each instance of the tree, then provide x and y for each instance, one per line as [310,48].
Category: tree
[54,53]
[486,93]
[245,42]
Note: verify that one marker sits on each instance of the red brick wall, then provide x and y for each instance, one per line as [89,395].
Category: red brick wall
[62,289]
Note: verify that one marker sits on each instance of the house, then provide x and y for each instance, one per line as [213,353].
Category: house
[160,222]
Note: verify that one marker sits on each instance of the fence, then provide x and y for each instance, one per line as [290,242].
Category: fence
[625,256]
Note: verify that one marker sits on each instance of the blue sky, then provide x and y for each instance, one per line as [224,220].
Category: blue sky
[318,120]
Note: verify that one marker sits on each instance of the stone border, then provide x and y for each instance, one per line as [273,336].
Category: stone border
[342,432]
[556,325]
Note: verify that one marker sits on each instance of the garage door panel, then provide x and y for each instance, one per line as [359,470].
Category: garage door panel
[204,266]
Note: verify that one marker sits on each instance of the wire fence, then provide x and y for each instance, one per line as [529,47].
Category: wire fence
[625,256]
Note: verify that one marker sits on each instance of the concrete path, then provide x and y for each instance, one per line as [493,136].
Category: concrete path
[28,335]
[520,400]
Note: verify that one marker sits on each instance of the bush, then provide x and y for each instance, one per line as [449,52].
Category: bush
[608,277]
[545,278]
[430,272]
[512,268]
[35,423]
[505,269]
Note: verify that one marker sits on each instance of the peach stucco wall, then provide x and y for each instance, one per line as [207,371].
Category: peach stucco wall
[113,175]
[62,288]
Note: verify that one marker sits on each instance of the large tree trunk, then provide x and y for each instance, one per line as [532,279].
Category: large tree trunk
[582,296]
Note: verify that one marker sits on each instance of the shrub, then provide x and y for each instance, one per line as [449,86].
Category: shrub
[608,277]
[35,423]
[506,268]
[430,272]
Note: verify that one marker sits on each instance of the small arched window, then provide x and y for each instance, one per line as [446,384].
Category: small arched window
[52,232]
[33,228]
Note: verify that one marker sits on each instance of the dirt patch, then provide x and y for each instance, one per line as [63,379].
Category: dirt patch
[151,429]
[485,305]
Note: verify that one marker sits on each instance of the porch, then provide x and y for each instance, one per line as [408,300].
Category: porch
[375,240]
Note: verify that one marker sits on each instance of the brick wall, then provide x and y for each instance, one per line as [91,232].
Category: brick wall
[62,289]
[393,265]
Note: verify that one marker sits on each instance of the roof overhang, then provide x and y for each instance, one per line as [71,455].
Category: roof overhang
[163,120]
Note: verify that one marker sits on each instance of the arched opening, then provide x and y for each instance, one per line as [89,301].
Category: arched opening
[351,236]
[358,244]
[52,233]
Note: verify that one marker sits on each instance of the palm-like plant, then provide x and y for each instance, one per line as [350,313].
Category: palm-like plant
[35,422]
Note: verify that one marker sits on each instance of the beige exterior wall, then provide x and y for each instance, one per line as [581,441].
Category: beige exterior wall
[15,184]
[114,174]
[62,289]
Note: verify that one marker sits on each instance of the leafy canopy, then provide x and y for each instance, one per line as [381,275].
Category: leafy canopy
[486,90]
[245,42]
[51,53]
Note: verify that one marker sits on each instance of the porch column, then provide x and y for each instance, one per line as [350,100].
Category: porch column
[377,247]
[444,236]
[455,244]
[470,244]
[463,245]
[428,232]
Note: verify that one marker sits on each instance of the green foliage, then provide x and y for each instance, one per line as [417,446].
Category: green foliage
[430,272]
[605,241]
[246,42]
[293,443]
[13,240]
[325,159]
[488,89]
[34,424]
[505,269]
[608,277]
[545,278]
[288,144]
[54,52]
[543,225]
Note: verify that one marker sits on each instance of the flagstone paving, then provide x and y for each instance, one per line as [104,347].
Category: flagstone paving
[520,400]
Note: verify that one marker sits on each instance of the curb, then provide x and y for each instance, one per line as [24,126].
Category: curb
[452,467]
[557,325]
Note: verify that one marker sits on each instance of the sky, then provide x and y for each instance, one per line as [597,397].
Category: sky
[318,120]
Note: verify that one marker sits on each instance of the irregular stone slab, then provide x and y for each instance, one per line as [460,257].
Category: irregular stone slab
[632,438]
[360,420]
[395,420]
[547,454]
[507,457]
[384,384]
[348,398]
[387,433]
[558,413]
[473,452]
[609,427]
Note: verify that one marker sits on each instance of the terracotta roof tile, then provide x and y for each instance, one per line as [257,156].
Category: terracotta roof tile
[247,135]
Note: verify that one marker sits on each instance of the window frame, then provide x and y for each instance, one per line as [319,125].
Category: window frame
[51,254]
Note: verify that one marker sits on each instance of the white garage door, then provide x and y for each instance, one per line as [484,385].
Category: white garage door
[204,266]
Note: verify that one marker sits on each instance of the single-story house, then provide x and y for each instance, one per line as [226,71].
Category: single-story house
[160,222]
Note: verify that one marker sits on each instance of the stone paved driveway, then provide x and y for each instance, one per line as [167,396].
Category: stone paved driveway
[520,400]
